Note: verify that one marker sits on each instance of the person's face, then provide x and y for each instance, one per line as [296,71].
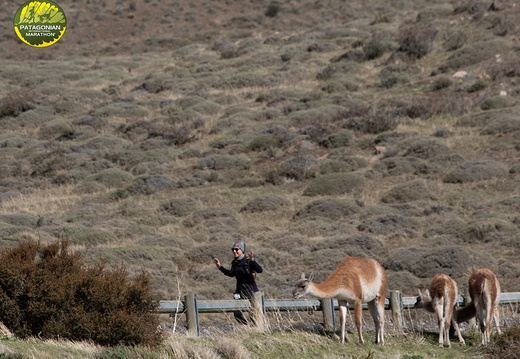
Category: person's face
[237,252]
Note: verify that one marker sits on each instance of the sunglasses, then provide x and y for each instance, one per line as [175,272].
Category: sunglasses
[236,249]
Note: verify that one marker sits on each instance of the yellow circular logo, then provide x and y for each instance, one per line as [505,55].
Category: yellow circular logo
[40,23]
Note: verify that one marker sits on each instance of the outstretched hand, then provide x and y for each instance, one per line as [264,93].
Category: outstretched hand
[217,262]
[252,255]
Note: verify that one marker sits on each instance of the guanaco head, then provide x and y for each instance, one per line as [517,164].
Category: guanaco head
[302,286]
[422,298]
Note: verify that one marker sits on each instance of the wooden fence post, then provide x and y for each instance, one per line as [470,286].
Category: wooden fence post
[327,307]
[258,304]
[396,305]
[192,314]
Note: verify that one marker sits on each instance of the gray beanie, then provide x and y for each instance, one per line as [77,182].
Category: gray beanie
[241,245]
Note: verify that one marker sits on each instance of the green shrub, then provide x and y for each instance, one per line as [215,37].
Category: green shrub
[268,202]
[335,184]
[331,208]
[222,162]
[454,40]
[475,52]
[299,168]
[244,80]
[126,352]
[426,262]
[496,102]
[424,147]
[502,126]
[441,83]
[349,164]
[338,139]
[47,291]
[375,48]
[151,184]
[341,68]
[264,142]
[413,190]
[179,207]
[478,85]
[12,356]
[113,177]
[416,40]
[16,102]
[476,171]
[248,182]
[272,10]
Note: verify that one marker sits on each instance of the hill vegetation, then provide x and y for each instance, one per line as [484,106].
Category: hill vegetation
[156,133]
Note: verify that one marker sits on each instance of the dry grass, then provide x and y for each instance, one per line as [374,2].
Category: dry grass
[41,202]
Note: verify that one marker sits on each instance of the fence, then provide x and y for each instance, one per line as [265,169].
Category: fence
[259,306]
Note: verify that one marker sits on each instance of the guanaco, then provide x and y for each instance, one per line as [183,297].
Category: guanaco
[484,290]
[356,281]
[441,300]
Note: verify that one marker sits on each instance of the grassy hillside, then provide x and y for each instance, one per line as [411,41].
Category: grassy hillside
[156,133]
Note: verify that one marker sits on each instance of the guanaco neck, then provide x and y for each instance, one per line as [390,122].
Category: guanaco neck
[466,313]
[427,305]
[322,290]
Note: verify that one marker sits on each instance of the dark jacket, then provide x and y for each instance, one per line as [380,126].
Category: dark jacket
[244,270]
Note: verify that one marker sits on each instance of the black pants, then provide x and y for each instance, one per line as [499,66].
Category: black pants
[239,316]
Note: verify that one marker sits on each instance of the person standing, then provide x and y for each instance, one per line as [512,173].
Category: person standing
[244,269]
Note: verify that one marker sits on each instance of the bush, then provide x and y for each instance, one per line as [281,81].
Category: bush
[11,356]
[506,345]
[426,262]
[489,230]
[264,203]
[424,147]
[476,171]
[478,85]
[395,166]
[151,184]
[349,164]
[441,83]
[416,40]
[264,142]
[299,168]
[222,162]
[113,177]
[335,184]
[272,10]
[16,102]
[331,208]
[502,126]
[391,225]
[179,207]
[248,182]
[475,53]
[338,139]
[414,190]
[125,352]
[376,119]
[496,102]
[47,291]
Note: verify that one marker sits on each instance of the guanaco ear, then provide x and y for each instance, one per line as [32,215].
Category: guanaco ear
[302,277]
[310,277]
[420,293]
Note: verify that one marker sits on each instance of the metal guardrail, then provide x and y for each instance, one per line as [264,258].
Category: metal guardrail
[219,306]
[259,305]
